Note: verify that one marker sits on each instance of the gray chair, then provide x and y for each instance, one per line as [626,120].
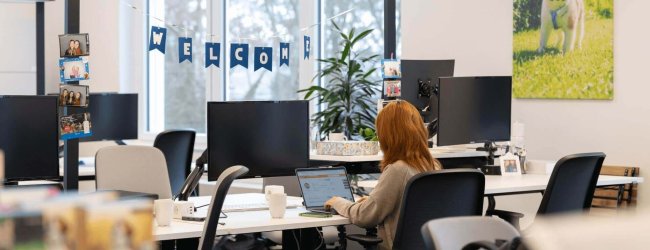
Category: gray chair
[212,221]
[433,195]
[570,189]
[178,147]
[457,232]
[132,168]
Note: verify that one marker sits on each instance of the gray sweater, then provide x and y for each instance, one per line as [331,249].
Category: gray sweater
[383,205]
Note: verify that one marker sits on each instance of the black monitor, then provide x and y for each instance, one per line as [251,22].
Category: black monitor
[474,110]
[270,138]
[419,77]
[114,117]
[29,137]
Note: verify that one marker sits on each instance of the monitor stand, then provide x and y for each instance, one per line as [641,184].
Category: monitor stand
[490,148]
[120,142]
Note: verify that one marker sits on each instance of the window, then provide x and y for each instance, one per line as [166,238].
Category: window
[177,91]
[264,24]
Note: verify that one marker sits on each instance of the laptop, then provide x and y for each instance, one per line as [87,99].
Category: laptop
[320,184]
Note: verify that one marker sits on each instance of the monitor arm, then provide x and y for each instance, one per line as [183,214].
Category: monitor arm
[490,148]
[193,179]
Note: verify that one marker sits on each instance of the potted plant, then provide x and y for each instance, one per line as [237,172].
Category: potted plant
[350,85]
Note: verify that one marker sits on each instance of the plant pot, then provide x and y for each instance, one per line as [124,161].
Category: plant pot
[347,148]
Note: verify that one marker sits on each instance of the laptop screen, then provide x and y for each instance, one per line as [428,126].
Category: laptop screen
[319,185]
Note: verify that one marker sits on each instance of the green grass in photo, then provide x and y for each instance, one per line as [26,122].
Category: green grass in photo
[586,73]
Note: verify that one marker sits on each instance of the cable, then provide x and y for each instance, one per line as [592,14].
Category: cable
[293,232]
[322,238]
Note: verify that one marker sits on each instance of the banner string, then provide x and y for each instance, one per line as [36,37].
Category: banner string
[180,28]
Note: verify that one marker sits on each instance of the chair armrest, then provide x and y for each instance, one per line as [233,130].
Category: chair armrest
[510,217]
[365,240]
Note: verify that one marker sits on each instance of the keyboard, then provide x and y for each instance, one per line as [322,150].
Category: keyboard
[253,202]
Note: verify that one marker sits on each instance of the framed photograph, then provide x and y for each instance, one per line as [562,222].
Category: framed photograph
[74,45]
[391,69]
[75,126]
[73,69]
[392,88]
[510,165]
[73,95]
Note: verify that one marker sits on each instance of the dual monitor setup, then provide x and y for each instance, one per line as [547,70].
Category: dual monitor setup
[29,130]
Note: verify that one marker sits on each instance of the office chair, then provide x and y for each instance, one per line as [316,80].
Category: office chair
[433,195]
[132,168]
[457,232]
[570,189]
[178,147]
[212,221]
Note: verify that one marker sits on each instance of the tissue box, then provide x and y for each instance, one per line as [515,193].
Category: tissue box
[347,148]
[539,167]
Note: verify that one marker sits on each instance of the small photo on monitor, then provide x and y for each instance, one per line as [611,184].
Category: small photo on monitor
[75,126]
[73,69]
[391,69]
[73,95]
[74,45]
[393,88]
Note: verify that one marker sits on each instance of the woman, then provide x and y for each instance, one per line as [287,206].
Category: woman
[71,49]
[63,99]
[403,140]
[77,48]
[77,99]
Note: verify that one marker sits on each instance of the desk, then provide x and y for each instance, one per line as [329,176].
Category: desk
[437,153]
[246,222]
[497,185]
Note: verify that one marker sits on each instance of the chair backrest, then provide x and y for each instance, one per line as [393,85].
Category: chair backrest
[437,194]
[572,184]
[456,232]
[132,168]
[212,221]
[178,147]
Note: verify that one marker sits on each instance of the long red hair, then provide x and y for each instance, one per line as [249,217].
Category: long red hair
[402,136]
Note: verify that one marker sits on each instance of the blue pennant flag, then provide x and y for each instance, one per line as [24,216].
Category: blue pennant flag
[184,49]
[284,54]
[239,55]
[263,58]
[212,52]
[158,39]
[307,47]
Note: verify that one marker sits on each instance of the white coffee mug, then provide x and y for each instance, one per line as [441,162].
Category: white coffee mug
[272,189]
[163,209]
[277,205]
[336,137]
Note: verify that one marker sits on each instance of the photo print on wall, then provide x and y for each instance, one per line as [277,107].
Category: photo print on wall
[563,49]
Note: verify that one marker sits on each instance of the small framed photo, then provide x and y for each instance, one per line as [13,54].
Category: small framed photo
[391,69]
[392,88]
[73,69]
[75,126]
[74,45]
[510,165]
[73,95]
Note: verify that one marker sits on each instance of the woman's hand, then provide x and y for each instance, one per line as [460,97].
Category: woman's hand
[330,202]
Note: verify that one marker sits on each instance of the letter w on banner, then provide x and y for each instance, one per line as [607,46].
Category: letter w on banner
[158,39]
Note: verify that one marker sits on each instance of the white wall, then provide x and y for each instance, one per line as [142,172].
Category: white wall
[478,34]
[17,47]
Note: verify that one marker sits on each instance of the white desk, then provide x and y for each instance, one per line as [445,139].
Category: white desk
[527,183]
[437,153]
[245,222]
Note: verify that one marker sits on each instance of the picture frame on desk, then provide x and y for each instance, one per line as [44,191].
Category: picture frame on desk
[510,165]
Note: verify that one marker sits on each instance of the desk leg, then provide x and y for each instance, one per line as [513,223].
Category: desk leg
[343,242]
[305,238]
[191,243]
[492,203]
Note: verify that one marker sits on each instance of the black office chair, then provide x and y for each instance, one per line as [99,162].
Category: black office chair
[433,195]
[212,221]
[178,147]
[570,189]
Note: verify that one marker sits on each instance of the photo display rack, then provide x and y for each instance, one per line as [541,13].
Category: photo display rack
[71,146]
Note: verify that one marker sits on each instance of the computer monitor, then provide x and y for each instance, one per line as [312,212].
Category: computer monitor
[474,109]
[270,138]
[29,137]
[419,77]
[114,116]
